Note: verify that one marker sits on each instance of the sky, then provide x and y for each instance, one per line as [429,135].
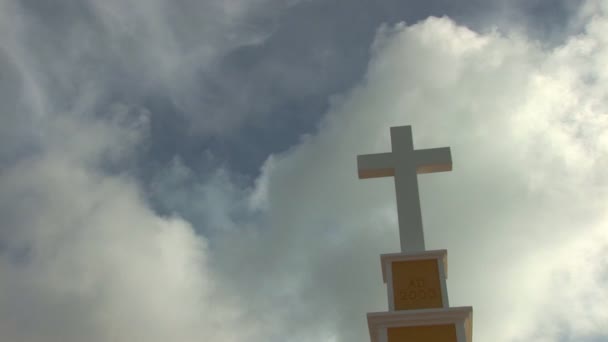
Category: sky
[186,170]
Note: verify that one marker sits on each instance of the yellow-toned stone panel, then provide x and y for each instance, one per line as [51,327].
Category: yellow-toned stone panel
[416,285]
[429,333]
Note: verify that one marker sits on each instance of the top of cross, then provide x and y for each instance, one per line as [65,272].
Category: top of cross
[404,163]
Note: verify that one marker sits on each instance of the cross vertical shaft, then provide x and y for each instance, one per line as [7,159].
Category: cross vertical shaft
[409,214]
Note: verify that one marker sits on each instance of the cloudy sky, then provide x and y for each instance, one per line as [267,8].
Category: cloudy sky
[186,170]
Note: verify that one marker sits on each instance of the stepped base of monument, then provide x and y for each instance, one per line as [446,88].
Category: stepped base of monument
[425,325]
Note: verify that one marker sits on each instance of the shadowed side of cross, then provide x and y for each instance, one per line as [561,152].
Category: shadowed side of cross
[404,164]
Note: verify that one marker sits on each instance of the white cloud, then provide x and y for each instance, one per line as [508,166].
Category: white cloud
[522,208]
[82,255]
[83,258]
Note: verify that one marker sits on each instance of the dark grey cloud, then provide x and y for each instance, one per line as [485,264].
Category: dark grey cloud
[237,81]
[264,96]
[319,48]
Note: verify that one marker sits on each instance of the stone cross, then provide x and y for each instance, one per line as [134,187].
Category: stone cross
[404,163]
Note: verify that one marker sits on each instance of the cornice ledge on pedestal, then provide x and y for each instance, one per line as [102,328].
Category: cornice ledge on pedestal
[410,256]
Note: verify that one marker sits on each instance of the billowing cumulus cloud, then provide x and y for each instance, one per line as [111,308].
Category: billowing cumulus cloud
[84,258]
[522,214]
[90,251]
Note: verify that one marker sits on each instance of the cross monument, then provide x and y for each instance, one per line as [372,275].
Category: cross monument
[417,293]
[404,164]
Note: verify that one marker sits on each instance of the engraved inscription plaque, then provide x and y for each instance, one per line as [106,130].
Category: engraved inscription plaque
[416,285]
[428,333]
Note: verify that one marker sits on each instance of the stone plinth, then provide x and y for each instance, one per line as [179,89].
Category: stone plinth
[416,280]
[425,325]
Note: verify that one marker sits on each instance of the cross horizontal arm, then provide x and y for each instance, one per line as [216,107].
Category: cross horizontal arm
[433,160]
[375,165]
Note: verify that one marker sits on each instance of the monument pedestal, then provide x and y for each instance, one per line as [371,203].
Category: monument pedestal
[418,302]
[416,280]
[424,325]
